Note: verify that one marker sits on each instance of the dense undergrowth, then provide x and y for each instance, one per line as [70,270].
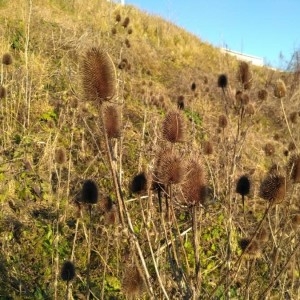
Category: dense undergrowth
[180,181]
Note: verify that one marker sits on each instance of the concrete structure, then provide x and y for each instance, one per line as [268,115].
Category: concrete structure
[255,60]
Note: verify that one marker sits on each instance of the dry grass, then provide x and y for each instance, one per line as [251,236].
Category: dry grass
[52,142]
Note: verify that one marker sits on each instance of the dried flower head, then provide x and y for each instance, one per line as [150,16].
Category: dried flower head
[2,92]
[127,43]
[106,204]
[111,217]
[118,18]
[133,282]
[112,121]
[243,185]
[67,271]
[194,186]
[173,127]
[139,183]
[293,168]
[269,149]
[60,155]
[296,221]
[7,59]
[170,168]
[250,248]
[126,22]
[193,86]
[244,75]
[207,147]
[89,192]
[294,117]
[291,146]
[223,121]
[222,81]
[180,102]
[279,89]
[129,31]
[98,76]
[114,31]
[273,188]
[250,109]
[262,94]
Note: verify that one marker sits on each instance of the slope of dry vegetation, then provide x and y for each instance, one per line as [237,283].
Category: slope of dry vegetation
[139,163]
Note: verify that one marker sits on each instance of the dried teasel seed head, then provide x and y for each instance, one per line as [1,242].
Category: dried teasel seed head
[269,149]
[250,109]
[7,59]
[243,185]
[60,155]
[2,92]
[112,121]
[139,183]
[250,248]
[170,167]
[193,86]
[98,75]
[208,148]
[89,192]
[244,75]
[294,117]
[118,18]
[293,168]
[291,146]
[242,98]
[126,22]
[114,31]
[111,217]
[133,282]
[194,187]
[173,128]
[222,81]
[129,31]
[127,43]
[262,94]
[296,221]
[180,102]
[279,89]
[223,121]
[106,204]
[273,188]
[67,272]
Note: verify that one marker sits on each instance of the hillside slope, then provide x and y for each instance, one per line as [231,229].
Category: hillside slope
[141,192]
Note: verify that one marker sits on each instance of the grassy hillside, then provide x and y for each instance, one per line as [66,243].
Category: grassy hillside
[141,193]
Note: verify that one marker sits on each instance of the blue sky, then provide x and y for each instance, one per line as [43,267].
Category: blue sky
[263,28]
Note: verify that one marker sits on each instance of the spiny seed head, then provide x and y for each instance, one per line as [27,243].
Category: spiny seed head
[67,272]
[251,249]
[294,117]
[250,109]
[262,94]
[126,22]
[279,89]
[223,121]
[273,188]
[243,185]
[106,204]
[98,75]
[114,31]
[292,146]
[118,18]
[170,168]
[2,92]
[296,221]
[7,59]
[207,147]
[269,149]
[60,155]
[127,43]
[129,31]
[294,168]
[112,121]
[244,75]
[222,81]
[111,217]
[89,192]
[180,102]
[139,183]
[133,282]
[193,86]
[173,127]
[194,186]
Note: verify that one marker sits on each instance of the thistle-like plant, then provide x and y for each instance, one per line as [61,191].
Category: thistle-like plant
[173,127]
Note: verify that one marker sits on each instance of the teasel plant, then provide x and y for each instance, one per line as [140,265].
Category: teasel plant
[99,82]
[67,274]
